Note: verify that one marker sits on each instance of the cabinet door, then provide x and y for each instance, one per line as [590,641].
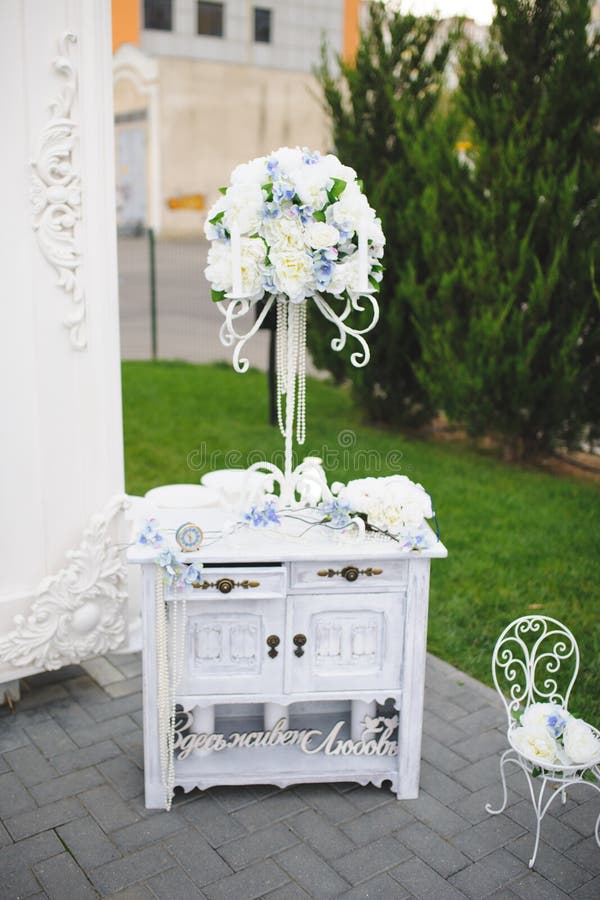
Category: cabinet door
[226,650]
[353,642]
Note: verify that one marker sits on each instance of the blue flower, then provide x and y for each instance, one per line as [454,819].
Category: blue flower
[310,158]
[271,210]
[556,723]
[336,513]
[150,534]
[190,574]
[263,517]
[272,167]
[283,191]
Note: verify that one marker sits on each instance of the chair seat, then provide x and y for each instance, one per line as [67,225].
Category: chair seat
[556,771]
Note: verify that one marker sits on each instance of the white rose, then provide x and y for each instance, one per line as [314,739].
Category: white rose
[244,204]
[283,232]
[252,252]
[293,272]
[252,173]
[311,186]
[289,158]
[333,168]
[218,271]
[536,744]
[579,741]
[319,235]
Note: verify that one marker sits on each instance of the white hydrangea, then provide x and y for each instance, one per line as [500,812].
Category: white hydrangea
[244,207]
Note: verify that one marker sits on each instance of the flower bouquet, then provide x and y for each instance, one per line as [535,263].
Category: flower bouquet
[293,224]
[548,735]
[393,507]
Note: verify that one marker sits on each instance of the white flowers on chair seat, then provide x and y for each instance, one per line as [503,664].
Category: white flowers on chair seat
[580,743]
[549,735]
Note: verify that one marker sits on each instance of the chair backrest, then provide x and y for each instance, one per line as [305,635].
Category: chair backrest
[536,660]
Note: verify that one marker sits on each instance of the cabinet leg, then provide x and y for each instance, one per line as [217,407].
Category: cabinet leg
[360,709]
[273,712]
[203,722]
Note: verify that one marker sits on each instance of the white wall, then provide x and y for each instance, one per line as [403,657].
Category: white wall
[61,449]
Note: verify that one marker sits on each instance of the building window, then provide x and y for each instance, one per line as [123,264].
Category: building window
[262,25]
[210,18]
[158,14]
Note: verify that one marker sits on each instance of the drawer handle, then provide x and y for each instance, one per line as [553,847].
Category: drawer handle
[299,641]
[273,641]
[350,573]
[226,585]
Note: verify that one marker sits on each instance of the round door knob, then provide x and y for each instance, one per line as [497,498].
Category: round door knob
[350,573]
[225,585]
[273,642]
[299,641]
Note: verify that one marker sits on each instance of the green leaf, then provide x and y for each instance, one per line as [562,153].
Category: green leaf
[336,190]
[588,775]
[536,772]
[216,296]
[268,188]
[223,190]
[373,281]
[319,215]
[216,219]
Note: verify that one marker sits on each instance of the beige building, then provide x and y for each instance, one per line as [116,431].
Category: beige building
[202,86]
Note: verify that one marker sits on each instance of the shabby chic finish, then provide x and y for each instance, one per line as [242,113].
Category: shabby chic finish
[295,645]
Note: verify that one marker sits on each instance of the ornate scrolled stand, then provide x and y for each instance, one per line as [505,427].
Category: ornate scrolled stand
[306,483]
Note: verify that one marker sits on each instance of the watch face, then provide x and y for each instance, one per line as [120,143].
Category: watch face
[189,536]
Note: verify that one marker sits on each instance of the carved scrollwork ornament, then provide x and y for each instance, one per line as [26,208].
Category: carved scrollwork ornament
[80,612]
[55,194]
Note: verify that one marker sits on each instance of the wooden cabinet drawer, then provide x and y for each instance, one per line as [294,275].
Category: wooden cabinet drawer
[359,575]
[258,582]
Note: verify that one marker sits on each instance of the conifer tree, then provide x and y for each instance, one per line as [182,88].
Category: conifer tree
[384,109]
[511,339]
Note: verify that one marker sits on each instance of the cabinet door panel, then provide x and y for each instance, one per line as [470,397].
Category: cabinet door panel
[226,648]
[352,642]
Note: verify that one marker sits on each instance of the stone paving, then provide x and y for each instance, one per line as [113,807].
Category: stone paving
[73,823]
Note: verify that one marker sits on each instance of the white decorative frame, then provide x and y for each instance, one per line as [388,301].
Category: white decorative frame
[528,659]
[79,612]
[55,194]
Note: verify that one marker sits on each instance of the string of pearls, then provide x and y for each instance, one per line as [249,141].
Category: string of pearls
[296,363]
[281,358]
[170,659]
[301,373]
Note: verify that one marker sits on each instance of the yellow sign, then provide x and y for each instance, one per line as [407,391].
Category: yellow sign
[188,201]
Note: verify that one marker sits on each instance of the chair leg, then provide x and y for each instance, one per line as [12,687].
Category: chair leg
[539,815]
[507,756]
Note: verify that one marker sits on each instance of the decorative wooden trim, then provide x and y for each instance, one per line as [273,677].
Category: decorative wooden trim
[55,194]
[80,612]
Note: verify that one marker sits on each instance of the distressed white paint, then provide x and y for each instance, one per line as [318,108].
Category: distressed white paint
[62,457]
[365,643]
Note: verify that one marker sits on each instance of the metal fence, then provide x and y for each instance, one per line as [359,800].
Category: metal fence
[165,307]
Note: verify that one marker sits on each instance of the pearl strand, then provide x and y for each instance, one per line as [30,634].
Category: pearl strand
[301,374]
[170,636]
[281,359]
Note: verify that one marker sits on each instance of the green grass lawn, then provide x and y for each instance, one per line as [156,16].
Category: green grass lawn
[519,539]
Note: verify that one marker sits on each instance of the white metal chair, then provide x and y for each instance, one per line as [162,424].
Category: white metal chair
[536,660]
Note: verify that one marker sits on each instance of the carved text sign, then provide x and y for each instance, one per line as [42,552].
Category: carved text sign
[374,741]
